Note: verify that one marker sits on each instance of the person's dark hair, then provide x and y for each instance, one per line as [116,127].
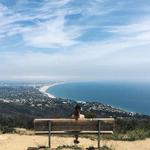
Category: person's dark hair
[77,110]
[77,107]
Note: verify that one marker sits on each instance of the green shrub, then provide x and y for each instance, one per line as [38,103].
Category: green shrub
[6,129]
[89,115]
[138,134]
[74,147]
[105,148]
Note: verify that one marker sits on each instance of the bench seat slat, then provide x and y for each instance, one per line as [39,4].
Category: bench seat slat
[71,132]
[107,120]
[72,124]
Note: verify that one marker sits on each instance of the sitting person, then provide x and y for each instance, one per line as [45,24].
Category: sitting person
[77,116]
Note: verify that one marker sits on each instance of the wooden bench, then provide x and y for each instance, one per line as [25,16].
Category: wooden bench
[75,127]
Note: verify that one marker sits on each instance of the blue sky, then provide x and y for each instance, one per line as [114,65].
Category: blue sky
[75,39]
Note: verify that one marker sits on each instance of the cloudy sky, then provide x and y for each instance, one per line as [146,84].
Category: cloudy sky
[75,39]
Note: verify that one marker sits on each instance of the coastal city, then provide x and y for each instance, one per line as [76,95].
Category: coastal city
[34,98]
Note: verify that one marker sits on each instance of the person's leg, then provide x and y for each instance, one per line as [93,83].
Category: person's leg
[76,139]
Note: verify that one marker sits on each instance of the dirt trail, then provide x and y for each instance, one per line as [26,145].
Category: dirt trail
[22,142]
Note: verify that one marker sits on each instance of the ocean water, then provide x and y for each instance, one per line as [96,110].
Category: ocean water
[133,97]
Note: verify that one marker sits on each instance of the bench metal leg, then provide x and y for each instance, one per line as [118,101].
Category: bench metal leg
[98,134]
[49,134]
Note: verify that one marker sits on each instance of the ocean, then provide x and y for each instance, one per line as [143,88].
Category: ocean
[133,97]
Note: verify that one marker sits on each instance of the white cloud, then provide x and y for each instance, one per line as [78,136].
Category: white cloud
[124,55]
[136,26]
[95,61]
[52,33]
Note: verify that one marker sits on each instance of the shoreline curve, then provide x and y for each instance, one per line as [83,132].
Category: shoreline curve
[44,89]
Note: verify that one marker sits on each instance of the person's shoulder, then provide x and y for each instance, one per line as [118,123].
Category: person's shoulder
[82,116]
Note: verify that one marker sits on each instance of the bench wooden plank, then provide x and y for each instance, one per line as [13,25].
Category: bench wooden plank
[107,120]
[69,125]
[69,132]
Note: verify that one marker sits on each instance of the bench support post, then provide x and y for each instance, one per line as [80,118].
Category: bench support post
[49,134]
[98,134]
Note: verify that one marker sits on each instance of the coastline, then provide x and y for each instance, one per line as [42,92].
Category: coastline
[127,107]
[44,89]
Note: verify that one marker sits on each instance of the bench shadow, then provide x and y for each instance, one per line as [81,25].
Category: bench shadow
[73,147]
[32,148]
[38,148]
[92,148]
[35,148]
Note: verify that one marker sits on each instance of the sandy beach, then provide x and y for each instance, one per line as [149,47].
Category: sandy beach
[44,89]
[23,142]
